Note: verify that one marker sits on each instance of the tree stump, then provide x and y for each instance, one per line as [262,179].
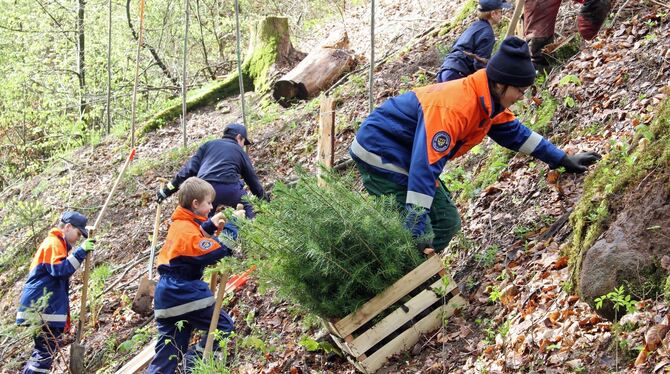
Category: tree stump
[318,71]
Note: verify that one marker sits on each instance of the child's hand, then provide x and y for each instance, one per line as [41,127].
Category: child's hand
[239,211]
[219,220]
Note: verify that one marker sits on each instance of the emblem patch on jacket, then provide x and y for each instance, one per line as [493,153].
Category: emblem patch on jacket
[441,141]
[205,244]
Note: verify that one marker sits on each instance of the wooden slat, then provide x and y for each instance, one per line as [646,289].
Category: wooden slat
[408,338]
[399,317]
[140,361]
[369,310]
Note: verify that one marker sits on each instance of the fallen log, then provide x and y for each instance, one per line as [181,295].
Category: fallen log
[316,72]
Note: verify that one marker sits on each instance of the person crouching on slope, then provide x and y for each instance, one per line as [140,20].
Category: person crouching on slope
[221,162]
[403,145]
[45,298]
[475,45]
[182,300]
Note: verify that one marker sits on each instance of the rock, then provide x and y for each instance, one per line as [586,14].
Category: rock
[629,254]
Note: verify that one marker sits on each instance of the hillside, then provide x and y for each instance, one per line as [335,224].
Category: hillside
[514,261]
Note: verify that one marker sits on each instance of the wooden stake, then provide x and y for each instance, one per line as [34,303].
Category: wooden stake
[324,152]
[223,279]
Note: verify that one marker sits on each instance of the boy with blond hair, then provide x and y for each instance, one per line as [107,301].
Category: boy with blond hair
[475,45]
[183,301]
[45,296]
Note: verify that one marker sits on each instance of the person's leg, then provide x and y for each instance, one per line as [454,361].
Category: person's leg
[444,218]
[591,17]
[46,346]
[200,320]
[173,338]
[377,185]
[231,194]
[448,75]
[539,24]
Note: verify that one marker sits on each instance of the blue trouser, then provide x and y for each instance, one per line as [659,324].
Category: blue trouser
[172,345]
[449,75]
[230,194]
[46,346]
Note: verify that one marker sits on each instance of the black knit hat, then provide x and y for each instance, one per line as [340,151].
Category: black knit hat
[512,65]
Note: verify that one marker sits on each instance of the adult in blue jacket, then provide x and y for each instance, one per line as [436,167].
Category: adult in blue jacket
[45,300]
[403,145]
[477,40]
[221,162]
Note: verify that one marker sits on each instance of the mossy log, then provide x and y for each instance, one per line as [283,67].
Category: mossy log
[318,71]
[269,48]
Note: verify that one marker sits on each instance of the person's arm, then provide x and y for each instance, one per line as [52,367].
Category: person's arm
[62,265]
[483,48]
[510,133]
[191,167]
[250,177]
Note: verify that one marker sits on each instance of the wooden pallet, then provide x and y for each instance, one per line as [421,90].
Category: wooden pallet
[368,345]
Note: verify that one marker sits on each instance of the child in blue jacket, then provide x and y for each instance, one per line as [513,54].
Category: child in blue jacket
[44,299]
[183,302]
[477,40]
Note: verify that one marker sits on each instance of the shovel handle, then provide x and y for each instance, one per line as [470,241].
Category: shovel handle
[87,261]
[221,291]
[154,240]
[518,8]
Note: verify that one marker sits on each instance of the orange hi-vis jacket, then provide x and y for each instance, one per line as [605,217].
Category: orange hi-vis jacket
[181,263]
[49,274]
[410,137]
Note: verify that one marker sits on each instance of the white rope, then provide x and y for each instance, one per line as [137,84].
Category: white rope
[184,74]
[239,63]
[372,56]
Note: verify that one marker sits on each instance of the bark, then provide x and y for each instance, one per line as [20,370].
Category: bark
[316,72]
[151,49]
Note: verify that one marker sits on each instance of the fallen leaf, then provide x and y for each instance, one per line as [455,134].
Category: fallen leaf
[654,336]
[561,263]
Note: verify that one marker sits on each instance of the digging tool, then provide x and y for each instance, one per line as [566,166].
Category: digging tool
[78,350]
[144,357]
[142,303]
[518,8]
[223,280]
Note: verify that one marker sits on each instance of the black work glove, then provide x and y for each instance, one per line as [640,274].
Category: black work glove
[165,192]
[578,163]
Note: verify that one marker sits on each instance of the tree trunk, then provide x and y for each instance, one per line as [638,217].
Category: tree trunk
[270,50]
[151,49]
[318,71]
[80,58]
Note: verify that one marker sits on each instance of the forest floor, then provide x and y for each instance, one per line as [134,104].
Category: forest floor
[523,314]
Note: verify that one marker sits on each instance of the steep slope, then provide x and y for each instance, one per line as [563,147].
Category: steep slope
[522,314]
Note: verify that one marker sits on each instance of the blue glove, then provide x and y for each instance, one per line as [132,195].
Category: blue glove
[416,219]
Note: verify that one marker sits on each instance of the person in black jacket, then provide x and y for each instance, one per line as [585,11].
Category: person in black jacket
[221,162]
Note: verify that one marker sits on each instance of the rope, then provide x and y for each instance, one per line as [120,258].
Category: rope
[137,75]
[239,62]
[372,56]
[184,74]
[109,69]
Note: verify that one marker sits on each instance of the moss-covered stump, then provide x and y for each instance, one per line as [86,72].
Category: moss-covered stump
[621,224]
[269,48]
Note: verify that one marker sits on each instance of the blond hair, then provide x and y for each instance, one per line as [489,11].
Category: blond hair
[488,15]
[194,188]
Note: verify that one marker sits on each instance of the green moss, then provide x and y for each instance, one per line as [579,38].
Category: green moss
[468,8]
[563,53]
[617,171]
[255,68]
